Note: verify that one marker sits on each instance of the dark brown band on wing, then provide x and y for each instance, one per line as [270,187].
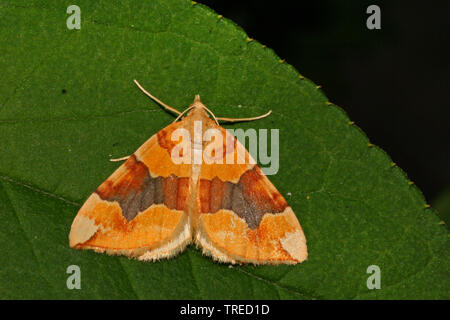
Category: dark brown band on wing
[250,198]
[136,190]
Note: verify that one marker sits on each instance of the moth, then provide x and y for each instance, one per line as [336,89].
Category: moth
[166,196]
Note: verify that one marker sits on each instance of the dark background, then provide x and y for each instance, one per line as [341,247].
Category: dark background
[393,82]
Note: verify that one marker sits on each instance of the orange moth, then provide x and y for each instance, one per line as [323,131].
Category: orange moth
[166,195]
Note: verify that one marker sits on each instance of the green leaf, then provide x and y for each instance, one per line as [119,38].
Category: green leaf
[442,204]
[68,104]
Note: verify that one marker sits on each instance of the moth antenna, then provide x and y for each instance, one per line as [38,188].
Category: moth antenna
[245,119]
[215,119]
[181,113]
[156,99]
[119,159]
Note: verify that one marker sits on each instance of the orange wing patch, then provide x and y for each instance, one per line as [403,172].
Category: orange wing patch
[114,232]
[156,154]
[248,221]
[137,211]
[278,239]
[228,170]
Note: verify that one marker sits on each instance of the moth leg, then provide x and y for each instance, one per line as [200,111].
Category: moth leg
[119,159]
